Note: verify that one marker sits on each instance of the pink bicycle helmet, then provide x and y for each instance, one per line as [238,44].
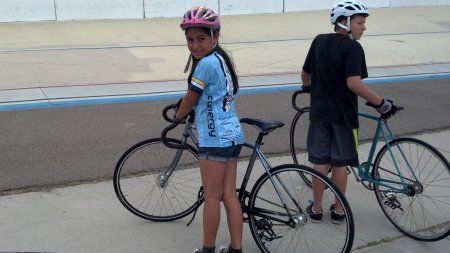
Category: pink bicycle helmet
[200,16]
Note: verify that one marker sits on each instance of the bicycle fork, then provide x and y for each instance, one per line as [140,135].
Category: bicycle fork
[163,178]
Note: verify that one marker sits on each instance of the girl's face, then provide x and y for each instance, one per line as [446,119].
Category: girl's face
[200,42]
[358,26]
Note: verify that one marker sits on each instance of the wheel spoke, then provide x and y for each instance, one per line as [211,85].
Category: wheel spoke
[424,213]
[306,236]
[138,183]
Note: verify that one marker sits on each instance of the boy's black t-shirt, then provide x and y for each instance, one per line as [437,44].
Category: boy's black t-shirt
[331,59]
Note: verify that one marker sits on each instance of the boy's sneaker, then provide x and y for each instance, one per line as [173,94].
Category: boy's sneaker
[315,217]
[336,218]
[229,249]
[205,250]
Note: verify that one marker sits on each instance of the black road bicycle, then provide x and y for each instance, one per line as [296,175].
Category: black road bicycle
[159,180]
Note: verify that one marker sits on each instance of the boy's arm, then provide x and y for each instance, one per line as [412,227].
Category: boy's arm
[355,84]
[306,81]
[306,78]
[384,106]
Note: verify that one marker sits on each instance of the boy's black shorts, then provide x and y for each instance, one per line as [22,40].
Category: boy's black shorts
[332,144]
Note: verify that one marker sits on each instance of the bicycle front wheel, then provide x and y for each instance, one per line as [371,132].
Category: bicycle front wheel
[297,140]
[269,218]
[423,213]
[144,185]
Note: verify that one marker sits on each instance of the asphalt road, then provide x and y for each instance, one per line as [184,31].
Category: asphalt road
[46,148]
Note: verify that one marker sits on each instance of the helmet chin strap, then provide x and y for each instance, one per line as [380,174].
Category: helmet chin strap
[188,63]
[213,44]
[346,27]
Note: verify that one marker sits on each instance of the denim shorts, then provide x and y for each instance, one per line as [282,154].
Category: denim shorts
[220,154]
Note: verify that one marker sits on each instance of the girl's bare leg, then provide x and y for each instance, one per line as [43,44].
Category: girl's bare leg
[232,205]
[212,173]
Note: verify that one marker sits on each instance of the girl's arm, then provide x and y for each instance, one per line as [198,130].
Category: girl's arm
[188,103]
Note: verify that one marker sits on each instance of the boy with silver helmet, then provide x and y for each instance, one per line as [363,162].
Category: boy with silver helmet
[333,71]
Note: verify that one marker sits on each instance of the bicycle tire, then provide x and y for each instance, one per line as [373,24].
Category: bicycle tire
[297,140]
[307,236]
[424,214]
[137,185]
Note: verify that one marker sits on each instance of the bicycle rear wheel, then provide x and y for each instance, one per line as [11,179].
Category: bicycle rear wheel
[423,213]
[145,190]
[268,217]
[297,138]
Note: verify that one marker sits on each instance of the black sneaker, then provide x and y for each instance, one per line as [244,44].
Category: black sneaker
[315,217]
[205,250]
[229,249]
[336,218]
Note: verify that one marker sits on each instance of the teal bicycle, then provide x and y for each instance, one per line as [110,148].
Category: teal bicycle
[410,178]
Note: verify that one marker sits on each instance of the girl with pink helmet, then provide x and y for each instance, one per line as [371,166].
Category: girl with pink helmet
[212,86]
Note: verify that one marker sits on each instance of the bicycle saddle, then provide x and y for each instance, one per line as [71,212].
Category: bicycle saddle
[264,125]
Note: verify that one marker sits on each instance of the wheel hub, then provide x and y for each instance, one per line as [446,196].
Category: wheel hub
[161,181]
[300,220]
[415,188]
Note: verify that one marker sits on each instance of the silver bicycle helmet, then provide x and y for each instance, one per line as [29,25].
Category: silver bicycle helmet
[347,8]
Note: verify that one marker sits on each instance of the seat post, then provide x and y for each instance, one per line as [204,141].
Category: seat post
[260,138]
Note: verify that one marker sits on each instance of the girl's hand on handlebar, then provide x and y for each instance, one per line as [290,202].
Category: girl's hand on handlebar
[178,121]
[176,107]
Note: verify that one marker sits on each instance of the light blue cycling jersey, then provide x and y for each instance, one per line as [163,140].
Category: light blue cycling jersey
[216,119]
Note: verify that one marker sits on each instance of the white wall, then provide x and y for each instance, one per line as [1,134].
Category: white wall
[98,9]
[399,3]
[236,7]
[26,10]
[36,10]
[378,3]
[174,8]
[308,5]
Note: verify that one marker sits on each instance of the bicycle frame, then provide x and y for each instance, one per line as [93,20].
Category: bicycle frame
[189,133]
[267,166]
[385,131]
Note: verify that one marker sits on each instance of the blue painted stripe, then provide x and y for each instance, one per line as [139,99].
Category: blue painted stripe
[175,96]
[409,78]
[85,101]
